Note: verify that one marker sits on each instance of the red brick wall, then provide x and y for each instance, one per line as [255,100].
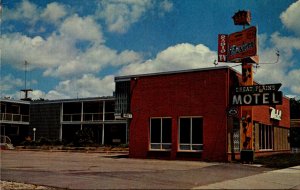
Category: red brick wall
[262,114]
[200,93]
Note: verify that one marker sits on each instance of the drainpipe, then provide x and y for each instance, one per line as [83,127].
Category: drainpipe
[103,119]
[61,120]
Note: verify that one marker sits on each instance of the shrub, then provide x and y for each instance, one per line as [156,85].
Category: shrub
[44,141]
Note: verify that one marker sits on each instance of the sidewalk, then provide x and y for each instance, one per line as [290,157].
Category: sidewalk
[116,150]
[288,178]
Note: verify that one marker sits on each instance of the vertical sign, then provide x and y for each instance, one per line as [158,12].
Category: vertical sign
[222,47]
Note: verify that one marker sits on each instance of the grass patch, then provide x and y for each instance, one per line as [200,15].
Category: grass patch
[284,160]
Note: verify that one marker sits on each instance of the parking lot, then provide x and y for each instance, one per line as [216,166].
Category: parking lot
[114,171]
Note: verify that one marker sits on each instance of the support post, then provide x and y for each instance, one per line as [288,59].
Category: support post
[247,117]
[103,120]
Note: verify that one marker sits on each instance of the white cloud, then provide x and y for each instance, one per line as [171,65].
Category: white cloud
[286,43]
[58,53]
[78,28]
[87,86]
[93,60]
[119,15]
[284,71]
[294,81]
[36,94]
[166,6]
[9,82]
[28,12]
[54,12]
[178,57]
[25,10]
[290,17]
[39,52]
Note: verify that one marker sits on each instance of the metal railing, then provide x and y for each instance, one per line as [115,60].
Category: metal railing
[88,117]
[10,117]
[5,139]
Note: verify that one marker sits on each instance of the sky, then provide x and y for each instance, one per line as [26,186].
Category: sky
[74,49]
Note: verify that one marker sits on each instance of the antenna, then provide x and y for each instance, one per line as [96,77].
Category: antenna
[26,90]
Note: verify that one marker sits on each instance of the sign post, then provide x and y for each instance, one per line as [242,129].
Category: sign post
[242,47]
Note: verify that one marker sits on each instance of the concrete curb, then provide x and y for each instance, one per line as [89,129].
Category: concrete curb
[74,150]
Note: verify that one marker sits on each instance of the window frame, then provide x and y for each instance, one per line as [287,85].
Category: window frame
[161,143]
[191,145]
[266,134]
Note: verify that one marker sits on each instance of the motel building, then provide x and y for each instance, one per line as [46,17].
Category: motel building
[61,120]
[14,120]
[187,115]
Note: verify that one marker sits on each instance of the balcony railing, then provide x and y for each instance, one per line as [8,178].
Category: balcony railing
[17,118]
[72,117]
[87,117]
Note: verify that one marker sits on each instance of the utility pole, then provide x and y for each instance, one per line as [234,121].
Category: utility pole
[26,90]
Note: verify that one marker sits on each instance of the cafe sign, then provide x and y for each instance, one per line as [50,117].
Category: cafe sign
[238,45]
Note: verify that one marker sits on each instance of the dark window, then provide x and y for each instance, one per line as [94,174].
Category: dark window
[191,134]
[160,133]
[122,94]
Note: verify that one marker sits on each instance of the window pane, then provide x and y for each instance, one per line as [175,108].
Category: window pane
[185,147]
[267,136]
[270,137]
[167,130]
[197,131]
[260,137]
[155,130]
[185,130]
[263,135]
[197,147]
[155,146]
[166,146]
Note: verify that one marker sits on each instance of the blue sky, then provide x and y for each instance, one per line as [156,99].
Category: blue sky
[75,48]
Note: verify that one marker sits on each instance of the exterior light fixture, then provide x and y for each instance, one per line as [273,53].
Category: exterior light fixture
[34,129]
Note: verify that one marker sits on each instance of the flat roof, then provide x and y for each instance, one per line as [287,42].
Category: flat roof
[14,101]
[73,100]
[127,77]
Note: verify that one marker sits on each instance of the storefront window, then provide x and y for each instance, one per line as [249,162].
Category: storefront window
[191,134]
[266,133]
[160,133]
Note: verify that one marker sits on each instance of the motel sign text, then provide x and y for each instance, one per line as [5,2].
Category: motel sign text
[265,98]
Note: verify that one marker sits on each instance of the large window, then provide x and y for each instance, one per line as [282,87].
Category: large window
[191,134]
[122,93]
[266,134]
[160,133]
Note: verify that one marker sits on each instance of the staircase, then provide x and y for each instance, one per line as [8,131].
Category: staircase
[5,143]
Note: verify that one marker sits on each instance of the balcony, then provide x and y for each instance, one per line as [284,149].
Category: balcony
[14,118]
[88,117]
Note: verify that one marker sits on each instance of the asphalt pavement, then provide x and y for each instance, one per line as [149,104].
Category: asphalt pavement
[115,171]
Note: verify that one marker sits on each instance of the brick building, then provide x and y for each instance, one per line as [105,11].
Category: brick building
[182,115]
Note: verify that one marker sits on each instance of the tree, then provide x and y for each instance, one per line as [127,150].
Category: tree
[294,108]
